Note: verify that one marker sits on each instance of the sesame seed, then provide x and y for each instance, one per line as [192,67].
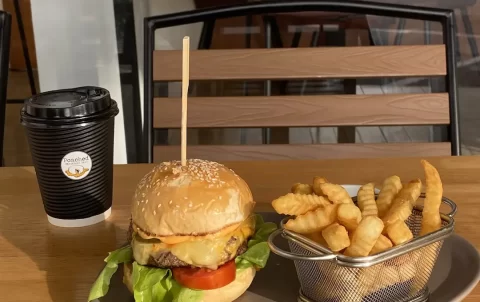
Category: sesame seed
[159,206]
[158,193]
[154,212]
[143,209]
[170,202]
[146,201]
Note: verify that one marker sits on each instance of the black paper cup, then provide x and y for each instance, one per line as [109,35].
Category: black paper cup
[70,133]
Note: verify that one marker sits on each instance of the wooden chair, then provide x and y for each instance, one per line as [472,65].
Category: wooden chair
[304,111]
[5,30]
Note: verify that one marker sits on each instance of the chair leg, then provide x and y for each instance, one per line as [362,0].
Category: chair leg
[26,55]
[457,42]
[313,43]
[400,29]
[206,35]
[377,35]
[273,39]
[296,38]
[267,21]
[248,44]
[470,35]
[345,134]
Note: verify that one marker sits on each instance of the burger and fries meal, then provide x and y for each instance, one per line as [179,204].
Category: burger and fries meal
[325,213]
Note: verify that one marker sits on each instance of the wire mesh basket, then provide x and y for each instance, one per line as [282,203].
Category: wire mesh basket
[397,274]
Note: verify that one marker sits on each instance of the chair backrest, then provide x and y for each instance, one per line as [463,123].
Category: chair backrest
[5,30]
[304,111]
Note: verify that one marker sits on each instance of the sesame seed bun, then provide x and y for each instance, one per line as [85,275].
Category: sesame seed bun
[173,202]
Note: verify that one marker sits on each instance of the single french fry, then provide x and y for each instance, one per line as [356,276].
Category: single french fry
[300,188]
[313,221]
[317,181]
[336,193]
[336,236]
[431,220]
[390,188]
[382,244]
[349,216]
[298,204]
[365,237]
[403,203]
[412,191]
[366,200]
[318,238]
[399,232]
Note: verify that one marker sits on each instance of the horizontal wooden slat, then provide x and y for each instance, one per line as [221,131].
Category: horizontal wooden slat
[290,63]
[294,152]
[304,111]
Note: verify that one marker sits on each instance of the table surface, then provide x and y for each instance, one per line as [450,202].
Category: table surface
[41,262]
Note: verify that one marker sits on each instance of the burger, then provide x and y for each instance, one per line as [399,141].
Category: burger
[193,236]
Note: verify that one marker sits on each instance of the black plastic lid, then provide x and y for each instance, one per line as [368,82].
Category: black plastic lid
[68,103]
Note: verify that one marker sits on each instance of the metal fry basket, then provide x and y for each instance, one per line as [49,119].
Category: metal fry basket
[398,274]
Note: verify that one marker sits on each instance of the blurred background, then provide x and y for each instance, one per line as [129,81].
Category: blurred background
[66,43]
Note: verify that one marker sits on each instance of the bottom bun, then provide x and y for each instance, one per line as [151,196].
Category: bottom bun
[228,293]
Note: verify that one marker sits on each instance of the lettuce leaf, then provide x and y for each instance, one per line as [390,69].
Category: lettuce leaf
[147,284]
[101,285]
[152,284]
[258,251]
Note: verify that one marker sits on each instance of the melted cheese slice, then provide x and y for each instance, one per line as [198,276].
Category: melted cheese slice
[200,252]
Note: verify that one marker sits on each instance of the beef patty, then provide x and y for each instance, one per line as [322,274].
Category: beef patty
[168,260]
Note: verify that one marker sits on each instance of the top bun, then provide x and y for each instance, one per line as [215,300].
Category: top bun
[201,198]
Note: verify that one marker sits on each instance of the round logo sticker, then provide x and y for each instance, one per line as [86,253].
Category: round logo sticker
[76,165]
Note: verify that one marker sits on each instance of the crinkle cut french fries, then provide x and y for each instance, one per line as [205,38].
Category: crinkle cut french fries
[298,204]
[403,203]
[300,188]
[325,213]
[335,193]
[313,221]
[349,215]
[390,188]
[366,200]
[365,236]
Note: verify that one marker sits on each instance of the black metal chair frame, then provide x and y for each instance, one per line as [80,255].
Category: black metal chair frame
[26,55]
[5,31]
[444,16]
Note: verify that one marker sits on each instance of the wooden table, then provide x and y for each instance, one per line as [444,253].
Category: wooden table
[40,262]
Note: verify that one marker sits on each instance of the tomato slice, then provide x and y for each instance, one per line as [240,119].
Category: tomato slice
[203,278]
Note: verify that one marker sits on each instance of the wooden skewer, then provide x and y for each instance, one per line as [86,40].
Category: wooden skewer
[185,81]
